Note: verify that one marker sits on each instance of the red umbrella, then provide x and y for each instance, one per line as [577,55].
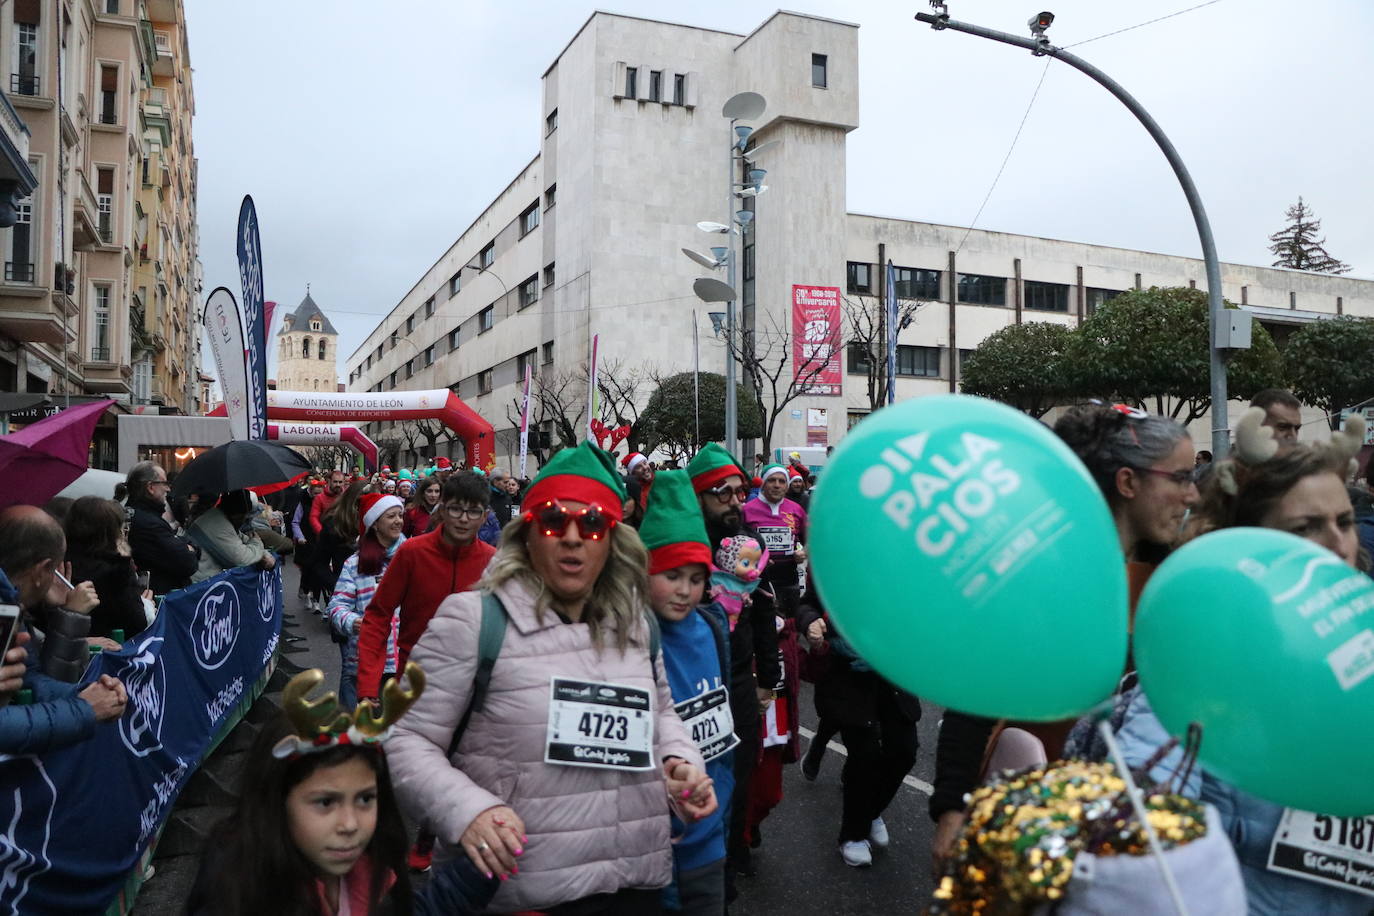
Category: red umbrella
[41,459]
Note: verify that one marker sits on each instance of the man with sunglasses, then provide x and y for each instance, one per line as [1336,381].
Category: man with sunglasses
[722,489]
[425,570]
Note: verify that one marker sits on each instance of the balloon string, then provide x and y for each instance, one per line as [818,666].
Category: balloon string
[1105,730]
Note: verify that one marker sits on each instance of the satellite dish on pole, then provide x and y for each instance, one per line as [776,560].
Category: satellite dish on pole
[709,289]
[703,260]
[744,106]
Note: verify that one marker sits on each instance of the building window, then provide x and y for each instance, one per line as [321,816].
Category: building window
[452,340]
[305,348]
[655,85]
[859,278]
[484,382]
[25,78]
[548,353]
[429,307]
[529,220]
[525,361]
[915,283]
[922,362]
[679,89]
[818,76]
[429,355]
[104,203]
[631,83]
[485,319]
[529,291]
[324,348]
[410,367]
[1046,297]
[860,358]
[100,342]
[392,379]
[286,347]
[963,359]
[551,197]
[980,290]
[315,324]
[19,247]
[455,283]
[548,275]
[143,381]
[488,255]
[112,7]
[410,323]
[109,94]
[1096,298]
[551,122]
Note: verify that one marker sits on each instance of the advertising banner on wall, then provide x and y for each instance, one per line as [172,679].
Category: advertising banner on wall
[817,426]
[816,336]
[254,318]
[225,327]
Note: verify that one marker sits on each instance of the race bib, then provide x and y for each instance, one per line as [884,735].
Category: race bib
[777,538]
[599,725]
[1338,851]
[708,718]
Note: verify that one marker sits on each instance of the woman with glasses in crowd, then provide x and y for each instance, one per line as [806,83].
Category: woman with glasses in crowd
[561,779]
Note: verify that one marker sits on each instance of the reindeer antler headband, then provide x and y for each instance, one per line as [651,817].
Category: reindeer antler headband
[320,724]
[1255,444]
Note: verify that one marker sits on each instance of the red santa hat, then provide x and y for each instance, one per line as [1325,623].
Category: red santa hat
[443,464]
[373,505]
[632,461]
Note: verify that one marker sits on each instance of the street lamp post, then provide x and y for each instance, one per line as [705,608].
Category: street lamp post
[1223,335]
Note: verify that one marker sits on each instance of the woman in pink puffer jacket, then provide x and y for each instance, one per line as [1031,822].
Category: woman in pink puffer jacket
[562,782]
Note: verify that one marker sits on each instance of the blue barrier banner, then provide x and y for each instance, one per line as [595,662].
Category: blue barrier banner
[73,822]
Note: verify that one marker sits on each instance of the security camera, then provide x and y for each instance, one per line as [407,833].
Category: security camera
[1040,21]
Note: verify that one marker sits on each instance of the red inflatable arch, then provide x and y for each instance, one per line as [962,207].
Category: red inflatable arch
[478,436]
[326,434]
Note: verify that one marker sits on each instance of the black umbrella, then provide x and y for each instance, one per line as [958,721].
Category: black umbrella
[238,465]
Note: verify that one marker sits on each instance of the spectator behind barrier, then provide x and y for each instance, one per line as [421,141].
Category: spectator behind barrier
[169,560]
[97,551]
[223,545]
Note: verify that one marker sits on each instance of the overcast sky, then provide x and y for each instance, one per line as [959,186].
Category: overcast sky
[370,135]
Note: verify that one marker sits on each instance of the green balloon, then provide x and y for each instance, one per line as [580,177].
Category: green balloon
[1267,641]
[968,556]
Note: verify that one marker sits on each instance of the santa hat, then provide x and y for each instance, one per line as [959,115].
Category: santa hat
[584,474]
[673,529]
[774,469]
[444,464]
[372,506]
[793,473]
[711,465]
[386,470]
[632,461]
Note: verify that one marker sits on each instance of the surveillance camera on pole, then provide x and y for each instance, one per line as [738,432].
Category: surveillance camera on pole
[1038,24]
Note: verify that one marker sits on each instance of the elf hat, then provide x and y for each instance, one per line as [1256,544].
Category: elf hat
[584,474]
[773,469]
[711,465]
[632,461]
[372,506]
[672,528]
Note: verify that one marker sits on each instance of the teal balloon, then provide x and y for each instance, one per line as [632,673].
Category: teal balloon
[1267,641]
[968,556]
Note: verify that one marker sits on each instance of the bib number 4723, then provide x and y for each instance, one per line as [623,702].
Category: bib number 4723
[608,726]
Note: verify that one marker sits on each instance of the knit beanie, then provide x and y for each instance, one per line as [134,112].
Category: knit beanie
[372,505]
[774,469]
[673,529]
[711,465]
[584,474]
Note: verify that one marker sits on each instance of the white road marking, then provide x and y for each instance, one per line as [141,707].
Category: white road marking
[920,785]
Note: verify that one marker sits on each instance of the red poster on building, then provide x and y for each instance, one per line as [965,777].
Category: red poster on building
[816,339]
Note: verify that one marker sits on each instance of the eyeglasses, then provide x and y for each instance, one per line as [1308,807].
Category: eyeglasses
[724,495]
[158,483]
[468,512]
[1182,478]
[553,519]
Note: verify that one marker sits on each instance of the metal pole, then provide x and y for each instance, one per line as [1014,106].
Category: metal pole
[1221,433]
[731,416]
[696,383]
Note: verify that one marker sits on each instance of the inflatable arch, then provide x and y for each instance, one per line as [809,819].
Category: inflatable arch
[326,434]
[478,436]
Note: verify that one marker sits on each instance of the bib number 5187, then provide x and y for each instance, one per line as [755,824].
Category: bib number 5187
[1354,832]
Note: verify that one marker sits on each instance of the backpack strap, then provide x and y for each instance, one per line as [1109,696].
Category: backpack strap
[489,639]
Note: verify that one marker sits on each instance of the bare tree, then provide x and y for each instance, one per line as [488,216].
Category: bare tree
[771,373]
[388,448]
[621,389]
[867,337]
[432,431]
[558,398]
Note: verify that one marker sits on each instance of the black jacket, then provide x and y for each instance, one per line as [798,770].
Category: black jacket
[959,756]
[121,601]
[168,559]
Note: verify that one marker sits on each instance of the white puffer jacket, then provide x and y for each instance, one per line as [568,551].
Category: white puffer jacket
[591,831]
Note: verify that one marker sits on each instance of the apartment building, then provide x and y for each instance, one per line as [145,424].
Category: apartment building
[585,240]
[100,289]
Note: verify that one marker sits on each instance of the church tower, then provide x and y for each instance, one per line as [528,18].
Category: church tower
[306,350]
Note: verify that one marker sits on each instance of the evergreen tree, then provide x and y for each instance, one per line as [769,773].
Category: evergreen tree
[1298,247]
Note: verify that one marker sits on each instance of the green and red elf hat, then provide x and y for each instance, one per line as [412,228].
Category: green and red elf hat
[584,474]
[711,465]
[673,529]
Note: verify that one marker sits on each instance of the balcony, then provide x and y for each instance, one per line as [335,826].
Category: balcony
[100,354]
[86,213]
[18,272]
[23,85]
[163,66]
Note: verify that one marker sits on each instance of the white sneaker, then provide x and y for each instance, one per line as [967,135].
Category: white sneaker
[877,834]
[856,854]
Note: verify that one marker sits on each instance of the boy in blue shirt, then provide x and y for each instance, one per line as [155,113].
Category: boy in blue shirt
[696,659]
